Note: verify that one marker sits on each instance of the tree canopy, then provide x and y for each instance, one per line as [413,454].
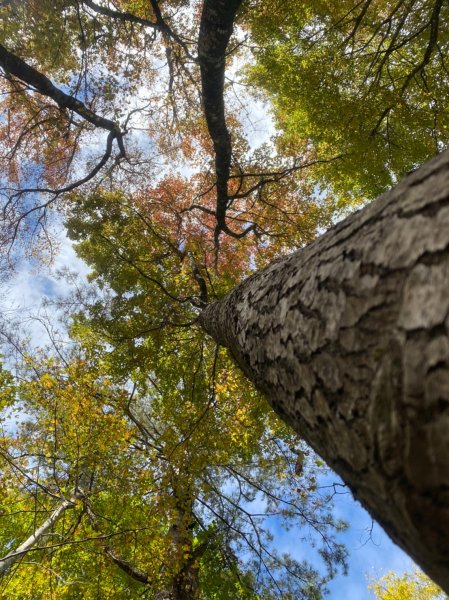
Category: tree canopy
[161,478]
[140,452]
[409,586]
[365,81]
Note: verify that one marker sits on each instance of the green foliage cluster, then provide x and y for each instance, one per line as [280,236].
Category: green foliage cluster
[363,82]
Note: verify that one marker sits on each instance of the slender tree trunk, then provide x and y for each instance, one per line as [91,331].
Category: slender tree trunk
[182,558]
[348,339]
[12,557]
[217,22]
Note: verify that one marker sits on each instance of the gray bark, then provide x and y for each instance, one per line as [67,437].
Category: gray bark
[348,339]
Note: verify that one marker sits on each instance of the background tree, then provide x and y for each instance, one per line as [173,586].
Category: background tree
[380,103]
[409,586]
[115,491]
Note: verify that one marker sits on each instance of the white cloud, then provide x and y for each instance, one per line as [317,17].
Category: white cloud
[22,300]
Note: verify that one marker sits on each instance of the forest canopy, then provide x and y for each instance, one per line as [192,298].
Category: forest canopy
[137,459]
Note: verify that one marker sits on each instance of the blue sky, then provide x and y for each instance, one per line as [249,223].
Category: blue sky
[371,552]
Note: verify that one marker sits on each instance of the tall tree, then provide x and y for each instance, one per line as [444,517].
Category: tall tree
[152,482]
[347,338]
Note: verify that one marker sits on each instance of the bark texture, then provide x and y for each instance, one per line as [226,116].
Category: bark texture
[348,339]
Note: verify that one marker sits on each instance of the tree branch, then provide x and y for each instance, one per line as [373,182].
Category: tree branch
[10,559]
[216,27]
[124,565]
[126,17]
[14,65]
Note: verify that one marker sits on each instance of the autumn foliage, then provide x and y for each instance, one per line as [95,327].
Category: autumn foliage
[174,466]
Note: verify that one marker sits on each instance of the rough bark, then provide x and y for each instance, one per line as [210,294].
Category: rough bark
[348,339]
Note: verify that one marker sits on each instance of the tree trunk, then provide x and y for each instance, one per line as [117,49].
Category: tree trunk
[217,22]
[181,558]
[12,557]
[348,339]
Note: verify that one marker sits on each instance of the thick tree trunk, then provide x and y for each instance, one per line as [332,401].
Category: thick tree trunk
[348,339]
